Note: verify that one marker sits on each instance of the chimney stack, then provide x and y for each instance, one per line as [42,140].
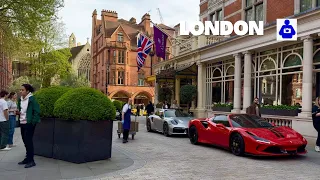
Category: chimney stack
[109,15]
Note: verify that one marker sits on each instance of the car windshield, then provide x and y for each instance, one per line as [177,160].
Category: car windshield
[249,121]
[175,113]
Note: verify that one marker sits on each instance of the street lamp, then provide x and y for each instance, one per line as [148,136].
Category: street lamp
[151,54]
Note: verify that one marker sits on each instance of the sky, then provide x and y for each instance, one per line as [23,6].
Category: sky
[77,14]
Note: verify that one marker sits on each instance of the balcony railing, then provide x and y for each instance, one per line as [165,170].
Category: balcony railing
[182,46]
[117,44]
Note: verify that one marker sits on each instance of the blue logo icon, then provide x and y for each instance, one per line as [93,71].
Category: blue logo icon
[286,29]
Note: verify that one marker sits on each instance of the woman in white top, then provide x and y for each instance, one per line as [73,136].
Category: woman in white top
[12,105]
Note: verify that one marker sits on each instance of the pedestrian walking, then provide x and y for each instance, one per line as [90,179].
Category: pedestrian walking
[126,120]
[150,109]
[254,108]
[28,111]
[4,122]
[12,105]
[316,121]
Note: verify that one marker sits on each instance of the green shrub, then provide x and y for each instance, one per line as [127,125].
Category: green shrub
[284,107]
[118,105]
[223,105]
[46,98]
[84,104]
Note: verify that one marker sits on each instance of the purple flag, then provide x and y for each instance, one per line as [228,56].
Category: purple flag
[160,41]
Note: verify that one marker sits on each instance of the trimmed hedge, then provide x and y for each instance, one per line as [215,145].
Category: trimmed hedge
[46,98]
[118,105]
[84,104]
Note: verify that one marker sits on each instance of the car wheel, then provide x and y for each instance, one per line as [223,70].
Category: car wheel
[149,126]
[165,129]
[237,145]
[193,135]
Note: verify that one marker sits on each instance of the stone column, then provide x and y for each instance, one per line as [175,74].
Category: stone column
[177,90]
[307,77]
[193,103]
[200,111]
[237,84]
[247,80]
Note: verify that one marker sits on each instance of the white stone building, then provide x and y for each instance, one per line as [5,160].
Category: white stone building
[236,69]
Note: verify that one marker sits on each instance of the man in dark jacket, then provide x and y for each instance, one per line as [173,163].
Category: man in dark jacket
[150,108]
[254,108]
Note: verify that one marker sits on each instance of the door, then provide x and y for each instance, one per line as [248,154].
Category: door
[221,133]
[155,120]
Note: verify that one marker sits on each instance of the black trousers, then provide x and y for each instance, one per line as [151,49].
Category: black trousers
[125,134]
[27,131]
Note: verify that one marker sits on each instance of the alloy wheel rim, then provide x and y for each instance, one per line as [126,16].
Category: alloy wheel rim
[235,145]
[193,136]
[148,126]
[165,130]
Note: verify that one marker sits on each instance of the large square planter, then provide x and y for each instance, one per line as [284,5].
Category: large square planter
[224,109]
[279,112]
[82,141]
[43,137]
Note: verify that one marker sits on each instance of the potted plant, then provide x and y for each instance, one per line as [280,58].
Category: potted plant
[280,110]
[118,105]
[222,107]
[83,127]
[188,93]
[43,135]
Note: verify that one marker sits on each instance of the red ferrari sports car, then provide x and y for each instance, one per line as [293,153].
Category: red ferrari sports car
[247,134]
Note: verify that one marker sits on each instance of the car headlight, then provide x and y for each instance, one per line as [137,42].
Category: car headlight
[258,139]
[174,122]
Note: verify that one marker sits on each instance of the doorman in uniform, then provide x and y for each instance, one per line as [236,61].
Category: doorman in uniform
[126,120]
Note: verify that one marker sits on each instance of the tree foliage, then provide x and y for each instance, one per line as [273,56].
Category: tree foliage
[188,93]
[165,94]
[54,63]
[24,19]
[16,84]
[71,80]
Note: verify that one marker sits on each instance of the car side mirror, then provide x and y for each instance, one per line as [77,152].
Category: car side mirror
[220,126]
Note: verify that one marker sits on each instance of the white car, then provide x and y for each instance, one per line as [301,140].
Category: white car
[169,121]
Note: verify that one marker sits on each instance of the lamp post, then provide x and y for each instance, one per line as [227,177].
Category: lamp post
[108,71]
[151,54]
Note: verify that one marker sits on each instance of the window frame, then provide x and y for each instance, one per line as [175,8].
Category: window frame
[120,80]
[120,37]
[121,56]
[227,120]
[252,7]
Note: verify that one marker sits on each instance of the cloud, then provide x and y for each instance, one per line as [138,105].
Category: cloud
[77,14]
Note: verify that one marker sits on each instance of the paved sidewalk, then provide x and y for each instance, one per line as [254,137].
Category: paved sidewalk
[154,156]
[51,169]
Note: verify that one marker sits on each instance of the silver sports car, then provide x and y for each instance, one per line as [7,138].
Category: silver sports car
[169,121]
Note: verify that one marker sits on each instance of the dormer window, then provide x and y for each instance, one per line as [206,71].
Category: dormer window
[120,37]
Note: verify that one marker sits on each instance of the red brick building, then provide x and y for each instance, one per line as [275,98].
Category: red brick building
[114,51]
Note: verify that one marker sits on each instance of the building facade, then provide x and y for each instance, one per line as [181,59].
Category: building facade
[114,51]
[239,68]
[81,57]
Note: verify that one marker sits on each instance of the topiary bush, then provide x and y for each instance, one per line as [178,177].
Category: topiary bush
[118,105]
[46,98]
[84,104]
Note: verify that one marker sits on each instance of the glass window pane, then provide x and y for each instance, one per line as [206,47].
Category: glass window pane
[305,5]
[219,15]
[248,3]
[259,13]
[318,3]
[249,15]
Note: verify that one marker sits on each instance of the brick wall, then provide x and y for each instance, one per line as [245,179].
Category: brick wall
[203,7]
[232,8]
[233,19]
[279,9]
